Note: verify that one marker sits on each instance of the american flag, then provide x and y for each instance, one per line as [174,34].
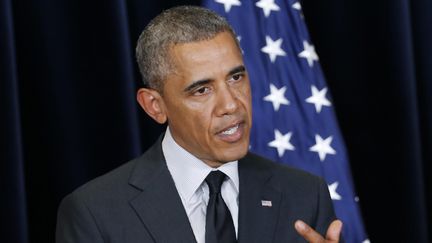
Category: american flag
[293,116]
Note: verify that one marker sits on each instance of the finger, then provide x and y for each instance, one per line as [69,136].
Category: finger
[307,232]
[334,231]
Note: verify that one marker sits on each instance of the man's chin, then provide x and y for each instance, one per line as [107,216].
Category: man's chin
[234,154]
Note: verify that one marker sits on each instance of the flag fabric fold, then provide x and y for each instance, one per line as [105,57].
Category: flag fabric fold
[293,114]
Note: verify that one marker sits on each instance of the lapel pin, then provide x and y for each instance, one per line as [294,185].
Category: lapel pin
[266,203]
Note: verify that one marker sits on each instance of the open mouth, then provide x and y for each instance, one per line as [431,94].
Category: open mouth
[231,130]
[232,134]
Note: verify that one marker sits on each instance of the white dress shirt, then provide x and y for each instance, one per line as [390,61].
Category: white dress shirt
[189,174]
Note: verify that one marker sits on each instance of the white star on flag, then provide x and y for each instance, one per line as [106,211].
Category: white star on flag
[273,48]
[308,53]
[366,241]
[281,142]
[322,147]
[318,98]
[228,4]
[277,97]
[297,6]
[267,6]
[333,193]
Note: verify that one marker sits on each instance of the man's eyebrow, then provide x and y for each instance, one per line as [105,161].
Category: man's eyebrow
[238,69]
[195,84]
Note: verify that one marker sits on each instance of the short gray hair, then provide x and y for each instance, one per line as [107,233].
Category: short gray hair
[178,25]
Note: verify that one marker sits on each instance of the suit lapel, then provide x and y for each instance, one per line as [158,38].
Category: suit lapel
[158,205]
[257,218]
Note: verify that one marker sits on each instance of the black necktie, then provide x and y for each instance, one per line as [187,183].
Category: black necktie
[219,223]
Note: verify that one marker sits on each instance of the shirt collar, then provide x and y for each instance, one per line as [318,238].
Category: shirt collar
[188,171]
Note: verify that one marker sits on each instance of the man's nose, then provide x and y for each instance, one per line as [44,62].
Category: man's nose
[227,100]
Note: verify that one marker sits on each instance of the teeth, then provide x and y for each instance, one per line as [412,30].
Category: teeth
[230,131]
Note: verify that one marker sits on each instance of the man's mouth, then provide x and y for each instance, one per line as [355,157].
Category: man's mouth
[233,133]
[231,130]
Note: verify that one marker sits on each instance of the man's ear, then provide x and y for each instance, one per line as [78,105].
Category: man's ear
[152,103]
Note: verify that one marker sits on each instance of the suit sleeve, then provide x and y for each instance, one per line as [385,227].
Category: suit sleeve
[75,223]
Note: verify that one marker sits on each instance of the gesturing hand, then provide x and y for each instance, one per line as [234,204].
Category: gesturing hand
[332,235]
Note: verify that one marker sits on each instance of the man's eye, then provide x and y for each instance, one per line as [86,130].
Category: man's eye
[237,77]
[202,91]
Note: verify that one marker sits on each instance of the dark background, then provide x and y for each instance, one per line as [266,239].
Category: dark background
[68,112]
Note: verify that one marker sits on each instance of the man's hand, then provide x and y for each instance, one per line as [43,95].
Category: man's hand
[332,235]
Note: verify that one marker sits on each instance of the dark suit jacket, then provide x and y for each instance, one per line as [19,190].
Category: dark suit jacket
[138,203]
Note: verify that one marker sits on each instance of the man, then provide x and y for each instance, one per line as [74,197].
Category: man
[198,183]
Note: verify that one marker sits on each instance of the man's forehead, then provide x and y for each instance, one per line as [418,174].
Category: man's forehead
[203,50]
[226,37]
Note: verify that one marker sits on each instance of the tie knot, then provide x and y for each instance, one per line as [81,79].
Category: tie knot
[214,181]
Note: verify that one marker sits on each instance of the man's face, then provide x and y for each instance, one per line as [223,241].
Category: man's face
[208,101]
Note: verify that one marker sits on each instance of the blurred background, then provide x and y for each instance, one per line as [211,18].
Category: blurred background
[68,112]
